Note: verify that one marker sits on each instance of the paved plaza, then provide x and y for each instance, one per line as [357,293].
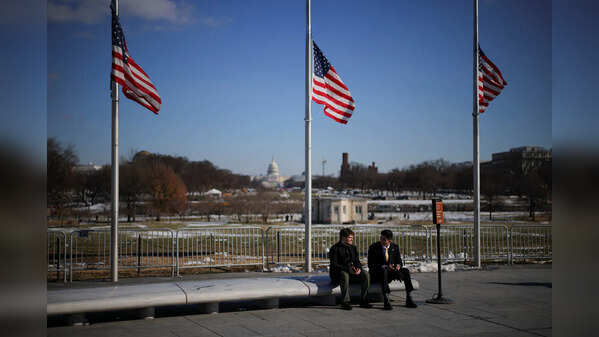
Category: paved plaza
[496,301]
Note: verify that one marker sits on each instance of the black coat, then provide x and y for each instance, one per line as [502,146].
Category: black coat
[376,256]
[342,257]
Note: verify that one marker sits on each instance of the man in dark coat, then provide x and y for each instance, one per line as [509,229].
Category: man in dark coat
[345,268]
[385,265]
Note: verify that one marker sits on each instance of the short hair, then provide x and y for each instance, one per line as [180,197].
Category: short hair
[387,234]
[345,232]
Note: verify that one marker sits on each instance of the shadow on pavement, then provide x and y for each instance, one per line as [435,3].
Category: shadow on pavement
[528,284]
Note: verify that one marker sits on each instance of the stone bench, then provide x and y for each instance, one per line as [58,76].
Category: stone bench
[206,294]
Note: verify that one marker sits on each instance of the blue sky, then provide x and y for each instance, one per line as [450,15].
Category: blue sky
[231,78]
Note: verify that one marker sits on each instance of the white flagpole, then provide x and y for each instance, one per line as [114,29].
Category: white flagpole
[308,120]
[114,224]
[476,162]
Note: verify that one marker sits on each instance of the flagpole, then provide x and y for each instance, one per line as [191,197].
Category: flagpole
[114,224]
[476,153]
[308,120]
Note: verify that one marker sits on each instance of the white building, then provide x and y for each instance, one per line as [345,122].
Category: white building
[214,193]
[90,167]
[272,179]
[327,210]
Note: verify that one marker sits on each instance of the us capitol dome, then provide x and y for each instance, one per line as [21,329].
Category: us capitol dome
[273,169]
[272,179]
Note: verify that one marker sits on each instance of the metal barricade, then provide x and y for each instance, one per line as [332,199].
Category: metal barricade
[457,242]
[87,252]
[56,254]
[530,242]
[285,244]
[220,247]
[138,249]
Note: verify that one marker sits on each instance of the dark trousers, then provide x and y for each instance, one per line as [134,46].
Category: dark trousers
[346,278]
[387,275]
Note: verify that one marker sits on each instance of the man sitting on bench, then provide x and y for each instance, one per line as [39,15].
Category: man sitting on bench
[385,265]
[345,268]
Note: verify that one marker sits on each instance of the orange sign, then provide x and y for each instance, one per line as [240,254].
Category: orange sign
[437,212]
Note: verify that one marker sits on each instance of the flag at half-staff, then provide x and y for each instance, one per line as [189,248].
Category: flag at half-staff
[134,80]
[490,81]
[329,90]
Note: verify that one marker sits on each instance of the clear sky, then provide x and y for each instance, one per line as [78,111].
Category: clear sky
[231,78]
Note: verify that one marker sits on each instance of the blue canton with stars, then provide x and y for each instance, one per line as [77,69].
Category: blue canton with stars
[480,58]
[321,64]
[118,38]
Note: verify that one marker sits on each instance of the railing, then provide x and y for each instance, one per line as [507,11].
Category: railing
[457,242]
[138,249]
[80,252]
[530,242]
[286,244]
[56,255]
[220,247]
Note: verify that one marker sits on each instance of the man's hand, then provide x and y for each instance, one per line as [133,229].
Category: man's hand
[355,270]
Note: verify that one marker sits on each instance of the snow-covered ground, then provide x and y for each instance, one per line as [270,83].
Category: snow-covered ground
[204,224]
[432,267]
[450,216]
[417,202]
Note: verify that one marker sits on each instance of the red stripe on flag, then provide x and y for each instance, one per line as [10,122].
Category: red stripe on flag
[342,121]
[334,80]
[333,89]
[328,106]
[135,80]
[138,87]
[324,94]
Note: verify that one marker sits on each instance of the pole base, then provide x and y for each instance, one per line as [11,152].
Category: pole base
[439,300]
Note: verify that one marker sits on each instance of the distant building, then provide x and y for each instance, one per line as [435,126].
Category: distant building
[87,168]
[214,193]
[519,160]
[272,179]
[344,164]
[372,169]
[328,210]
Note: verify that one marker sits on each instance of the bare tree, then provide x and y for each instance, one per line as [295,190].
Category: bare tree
[133,183]
[168,192]
[61,178]
[491,186]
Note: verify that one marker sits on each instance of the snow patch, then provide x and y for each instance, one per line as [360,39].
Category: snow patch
[431,267]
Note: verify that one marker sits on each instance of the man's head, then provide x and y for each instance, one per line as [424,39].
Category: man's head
[386,237]
[346,235]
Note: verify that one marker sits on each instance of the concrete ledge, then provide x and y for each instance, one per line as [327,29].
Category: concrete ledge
[206,293]
[320,285]
[70,301]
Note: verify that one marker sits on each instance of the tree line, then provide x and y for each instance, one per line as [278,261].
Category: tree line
[534,182]
[160,182]
[157,184]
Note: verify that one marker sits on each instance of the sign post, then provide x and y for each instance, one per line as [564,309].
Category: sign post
[437,207]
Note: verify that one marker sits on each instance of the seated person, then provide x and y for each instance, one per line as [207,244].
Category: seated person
[346,268]
[385,265]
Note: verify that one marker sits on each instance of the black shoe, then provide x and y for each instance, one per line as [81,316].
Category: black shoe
[346,306]
[410,303]
[387,306]
[365,305]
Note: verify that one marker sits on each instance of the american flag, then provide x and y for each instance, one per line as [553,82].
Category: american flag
[328,89]
[490,81]
[135,82]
